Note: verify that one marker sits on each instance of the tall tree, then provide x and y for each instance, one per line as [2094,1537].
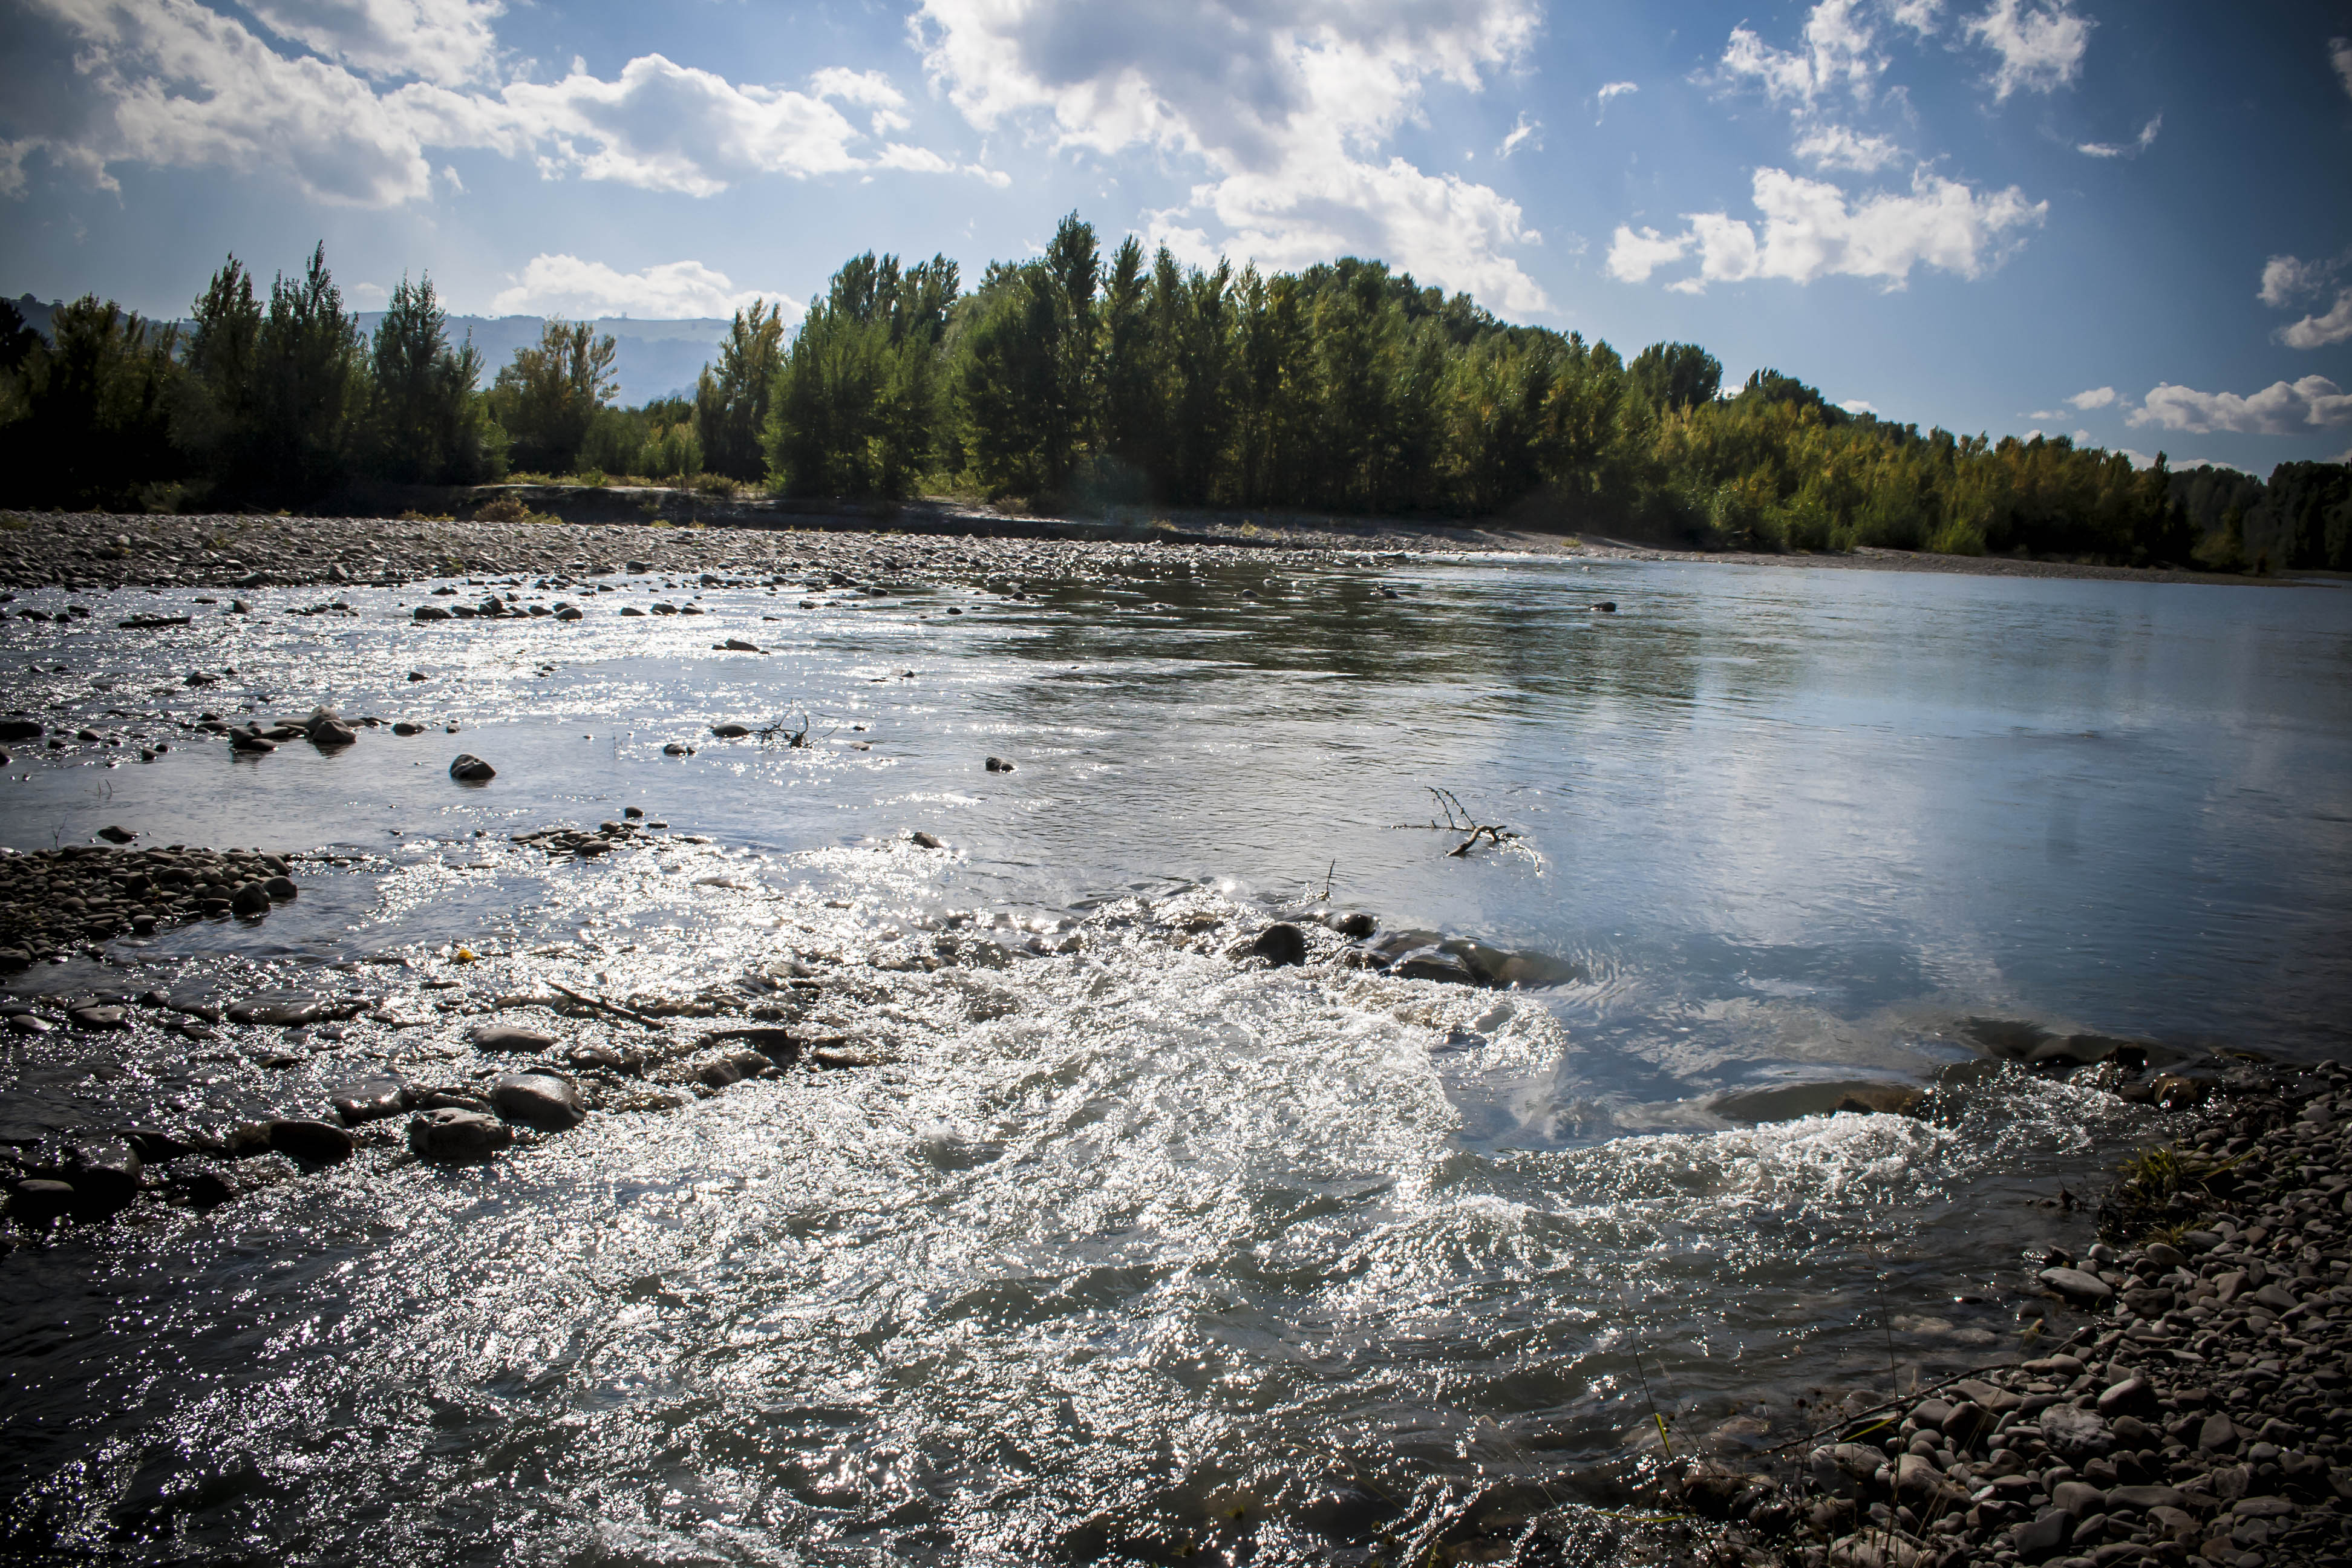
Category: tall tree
[730,404]
[307,386]
[427,424]
[96,428]
[546,398]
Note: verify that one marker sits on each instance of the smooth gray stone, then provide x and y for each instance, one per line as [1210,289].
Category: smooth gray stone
[542,1101]
[451,1133]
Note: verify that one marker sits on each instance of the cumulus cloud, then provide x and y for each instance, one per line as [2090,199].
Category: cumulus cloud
[446,41]
[2041,45]
[1525,133]
[1856,405]
[1609,90]
[2286,278]
[1811,230]
[2131,149]
[1839,50]
[2282,408]
[2319,332]
[1840,147]
[1634,254]
[558,285]
[2339,55]
[1287,103]
[2097,397]
[175,84]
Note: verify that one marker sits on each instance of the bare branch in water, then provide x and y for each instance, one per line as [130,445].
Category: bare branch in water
[1458,819]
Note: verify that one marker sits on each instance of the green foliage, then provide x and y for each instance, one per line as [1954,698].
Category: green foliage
[95,423]
[547,397]
[1071,379]
[427,424]
[856,408]
[730,400]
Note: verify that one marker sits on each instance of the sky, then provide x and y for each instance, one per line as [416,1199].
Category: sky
[2078,217]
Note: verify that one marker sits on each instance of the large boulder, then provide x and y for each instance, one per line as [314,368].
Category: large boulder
[470,769]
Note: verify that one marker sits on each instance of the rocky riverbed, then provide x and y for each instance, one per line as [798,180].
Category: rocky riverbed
[88,551]
[2195,1415]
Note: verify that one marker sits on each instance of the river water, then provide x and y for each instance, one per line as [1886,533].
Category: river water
[1127,1249]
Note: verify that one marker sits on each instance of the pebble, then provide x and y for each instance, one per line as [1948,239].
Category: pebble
[2202,1419]
[53,900]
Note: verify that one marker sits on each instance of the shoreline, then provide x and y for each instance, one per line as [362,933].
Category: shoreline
[2196,1418]
[94,551]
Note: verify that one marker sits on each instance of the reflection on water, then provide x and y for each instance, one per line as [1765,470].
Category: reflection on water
[1127,1250]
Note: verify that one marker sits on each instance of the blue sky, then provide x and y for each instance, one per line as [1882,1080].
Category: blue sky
[2073,215]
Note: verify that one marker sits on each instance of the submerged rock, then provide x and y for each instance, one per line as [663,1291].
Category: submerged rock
[310,1142]
[1280,944]
[38,1200]
[451,1133]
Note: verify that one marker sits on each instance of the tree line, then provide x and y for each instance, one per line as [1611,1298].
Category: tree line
[1079,380]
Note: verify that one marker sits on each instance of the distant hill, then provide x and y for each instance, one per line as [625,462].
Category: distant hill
[654,358]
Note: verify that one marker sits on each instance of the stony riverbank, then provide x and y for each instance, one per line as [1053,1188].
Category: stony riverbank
[92,552]
[2196,1417]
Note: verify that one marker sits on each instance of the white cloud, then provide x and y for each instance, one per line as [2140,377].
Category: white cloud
[1839,50]
[2319,332]
[2132,148]
[12,164]
[870,89]
[1525,133]
[2339,55]
[2282,408]
[2097,397]
[1839,147]
[1633,256]
[445,41]
[1287,104]
[1608,90]
[2286,278]
[1810,230]
[1856,405]
[175,84]
[555,285]
[2041,45]
[1922,17]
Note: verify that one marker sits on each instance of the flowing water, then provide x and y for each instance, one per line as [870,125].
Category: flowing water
[1128,1250]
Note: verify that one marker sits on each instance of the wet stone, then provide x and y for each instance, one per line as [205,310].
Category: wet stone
[541,1100]
[507,1038]
[370,1101]
[451,1133]
[310,1142]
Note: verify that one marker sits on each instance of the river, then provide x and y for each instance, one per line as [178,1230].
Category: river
[1125,1248]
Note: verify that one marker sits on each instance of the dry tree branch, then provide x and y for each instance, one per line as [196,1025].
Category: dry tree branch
[1458,819]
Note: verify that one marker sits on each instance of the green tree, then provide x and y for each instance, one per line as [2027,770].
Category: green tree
[1677,375]
[96,423]
[427,422]
[547,398]
[856,406]
[731,402]
[307,388]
